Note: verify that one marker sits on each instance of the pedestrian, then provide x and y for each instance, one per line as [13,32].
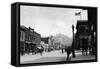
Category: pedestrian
[62,50]
[68,50]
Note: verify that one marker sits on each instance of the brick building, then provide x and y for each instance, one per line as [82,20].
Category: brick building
[22,39]
[29,40]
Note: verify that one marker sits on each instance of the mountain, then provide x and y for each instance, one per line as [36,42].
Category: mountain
[63,39]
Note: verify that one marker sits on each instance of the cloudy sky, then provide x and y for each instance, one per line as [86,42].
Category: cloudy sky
[51,20]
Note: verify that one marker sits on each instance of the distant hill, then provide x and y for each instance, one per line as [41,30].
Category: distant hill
[63,39]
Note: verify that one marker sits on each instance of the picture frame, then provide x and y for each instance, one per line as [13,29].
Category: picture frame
[25,46]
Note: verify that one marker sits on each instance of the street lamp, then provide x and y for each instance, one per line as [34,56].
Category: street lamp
[73,51]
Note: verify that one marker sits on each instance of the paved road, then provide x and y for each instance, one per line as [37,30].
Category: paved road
[54,56]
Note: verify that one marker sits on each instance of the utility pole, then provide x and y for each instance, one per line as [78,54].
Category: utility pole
[73,48]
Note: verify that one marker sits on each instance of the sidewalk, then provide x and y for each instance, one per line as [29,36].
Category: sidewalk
[83,57]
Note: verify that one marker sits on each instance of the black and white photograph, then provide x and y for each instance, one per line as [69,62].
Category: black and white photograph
[55,34]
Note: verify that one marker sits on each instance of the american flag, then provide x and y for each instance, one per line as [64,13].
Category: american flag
[78,13]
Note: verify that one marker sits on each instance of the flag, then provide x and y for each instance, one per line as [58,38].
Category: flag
[79,13]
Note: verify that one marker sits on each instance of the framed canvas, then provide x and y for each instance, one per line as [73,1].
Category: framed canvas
[43,34]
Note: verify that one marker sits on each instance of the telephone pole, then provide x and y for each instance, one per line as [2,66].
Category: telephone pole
[73,48]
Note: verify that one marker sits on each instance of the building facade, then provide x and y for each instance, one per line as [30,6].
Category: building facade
[22,39]
[29,40]
[83,35]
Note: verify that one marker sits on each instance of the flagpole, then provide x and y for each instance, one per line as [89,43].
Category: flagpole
[80,15]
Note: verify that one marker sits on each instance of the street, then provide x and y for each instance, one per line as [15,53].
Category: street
[53,56]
